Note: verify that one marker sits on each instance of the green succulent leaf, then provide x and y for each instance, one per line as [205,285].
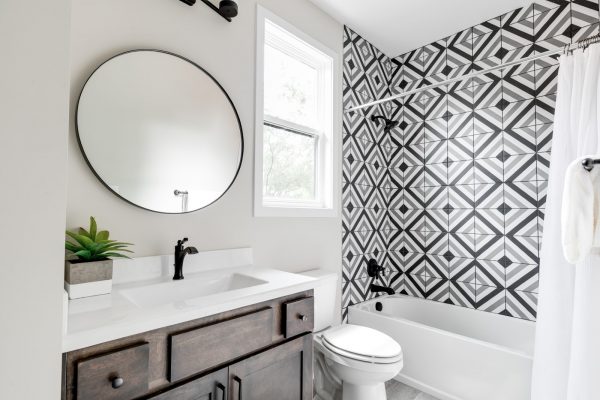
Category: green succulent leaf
[118,250]
[106,241]
[114,248]
[94,245]
[84,254]
[115,243]
[84,232]
[93,228]
[82,240]
[104,246]
[72,247]
[102,235]
[115,255]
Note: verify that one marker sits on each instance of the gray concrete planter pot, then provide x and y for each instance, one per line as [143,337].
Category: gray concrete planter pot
[85,279]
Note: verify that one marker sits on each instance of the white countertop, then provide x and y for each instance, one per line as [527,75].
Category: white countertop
[100,319]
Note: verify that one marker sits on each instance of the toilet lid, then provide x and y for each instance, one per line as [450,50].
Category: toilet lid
[362,341]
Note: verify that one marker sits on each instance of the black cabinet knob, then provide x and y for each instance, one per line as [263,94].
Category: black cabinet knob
[303,317]
[117,382]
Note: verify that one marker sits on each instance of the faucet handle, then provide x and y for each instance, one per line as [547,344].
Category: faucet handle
[180,242]
[374,269]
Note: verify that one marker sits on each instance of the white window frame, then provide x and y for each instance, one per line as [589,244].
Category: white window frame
[328,159]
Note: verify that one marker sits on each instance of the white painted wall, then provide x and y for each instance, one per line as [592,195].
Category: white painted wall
[101,29]
[34,95]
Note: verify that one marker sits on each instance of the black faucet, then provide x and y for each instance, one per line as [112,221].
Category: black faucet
[374,270]
[378,288]
[180,253]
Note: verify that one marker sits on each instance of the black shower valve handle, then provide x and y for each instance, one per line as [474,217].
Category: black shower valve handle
[375,270]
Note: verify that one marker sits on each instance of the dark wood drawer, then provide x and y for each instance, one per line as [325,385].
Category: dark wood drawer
[195,351]
[298,316]
[125,369]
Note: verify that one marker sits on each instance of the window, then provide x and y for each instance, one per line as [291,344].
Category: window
[294,153]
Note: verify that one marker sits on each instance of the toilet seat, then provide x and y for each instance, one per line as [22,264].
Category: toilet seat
[362,344]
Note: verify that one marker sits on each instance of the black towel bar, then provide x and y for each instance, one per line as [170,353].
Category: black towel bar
[589,163]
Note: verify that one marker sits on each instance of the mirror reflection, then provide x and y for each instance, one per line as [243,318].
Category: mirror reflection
[159,131]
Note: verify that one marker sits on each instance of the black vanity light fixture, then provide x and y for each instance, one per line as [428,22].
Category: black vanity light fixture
[227,9]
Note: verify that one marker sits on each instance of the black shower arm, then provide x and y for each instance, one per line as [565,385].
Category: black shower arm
[208,3]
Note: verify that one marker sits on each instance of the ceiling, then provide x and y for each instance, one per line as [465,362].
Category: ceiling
[398,26]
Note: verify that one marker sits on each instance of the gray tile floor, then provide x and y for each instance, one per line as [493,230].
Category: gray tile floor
[399,391]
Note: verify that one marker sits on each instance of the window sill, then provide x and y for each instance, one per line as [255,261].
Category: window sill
[294,212]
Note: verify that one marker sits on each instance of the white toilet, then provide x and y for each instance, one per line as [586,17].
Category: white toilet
[356,359]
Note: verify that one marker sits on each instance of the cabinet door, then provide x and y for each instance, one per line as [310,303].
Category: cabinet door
[209,387]
[281,373]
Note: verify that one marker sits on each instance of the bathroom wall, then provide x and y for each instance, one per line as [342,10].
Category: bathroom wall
[470,172]
[34,96]
[366,223]
[227,51]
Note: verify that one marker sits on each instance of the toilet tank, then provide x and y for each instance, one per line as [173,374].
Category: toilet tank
[325,294]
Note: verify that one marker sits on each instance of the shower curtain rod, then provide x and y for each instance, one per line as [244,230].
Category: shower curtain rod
[569,47]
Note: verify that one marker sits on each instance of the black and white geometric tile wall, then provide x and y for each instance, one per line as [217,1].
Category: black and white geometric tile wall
[452,201]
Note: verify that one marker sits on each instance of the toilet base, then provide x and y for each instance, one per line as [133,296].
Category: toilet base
[362,392]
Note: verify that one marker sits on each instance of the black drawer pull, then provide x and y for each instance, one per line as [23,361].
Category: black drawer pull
[302,317]
[221,387]
[239,382]
[117,382]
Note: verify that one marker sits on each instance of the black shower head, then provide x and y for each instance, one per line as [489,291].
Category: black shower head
[228,8]
[388,123]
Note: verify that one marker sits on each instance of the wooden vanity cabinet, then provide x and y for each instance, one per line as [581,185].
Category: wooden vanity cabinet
[261,352]
[281,373]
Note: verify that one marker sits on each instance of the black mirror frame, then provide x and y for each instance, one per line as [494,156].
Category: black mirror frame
[89,164]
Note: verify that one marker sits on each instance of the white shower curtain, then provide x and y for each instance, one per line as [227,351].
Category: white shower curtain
[567,348]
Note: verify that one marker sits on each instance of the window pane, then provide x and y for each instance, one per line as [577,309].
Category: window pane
[290,88]
[288,165]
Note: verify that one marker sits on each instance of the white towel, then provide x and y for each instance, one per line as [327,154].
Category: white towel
[580,217]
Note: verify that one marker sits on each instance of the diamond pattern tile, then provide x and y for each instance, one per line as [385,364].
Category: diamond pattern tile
[462,294]
[487,94]
[452,201]
[461,196]
[489,273]
[460,148]
[462,270]
[490,298]
[487,145]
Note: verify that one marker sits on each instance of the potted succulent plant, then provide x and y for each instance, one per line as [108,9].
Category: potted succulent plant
[89,266]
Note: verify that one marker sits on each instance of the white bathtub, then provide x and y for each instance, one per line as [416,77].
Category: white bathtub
[455,353]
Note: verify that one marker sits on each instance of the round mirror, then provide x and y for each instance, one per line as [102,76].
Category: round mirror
[159,131]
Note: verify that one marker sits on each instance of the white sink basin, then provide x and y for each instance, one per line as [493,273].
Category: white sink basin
[187,289]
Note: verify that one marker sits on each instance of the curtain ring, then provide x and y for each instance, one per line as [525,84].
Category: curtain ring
[586,44]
